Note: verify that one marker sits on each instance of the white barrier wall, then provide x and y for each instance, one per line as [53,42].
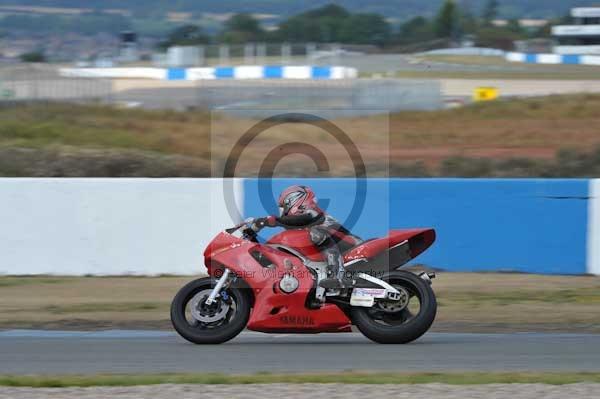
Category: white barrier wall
[593,236]
[140,72]
[515,57]
[109,226]
[549,59]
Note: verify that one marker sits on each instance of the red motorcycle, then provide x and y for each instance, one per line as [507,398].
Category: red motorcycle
[273,287]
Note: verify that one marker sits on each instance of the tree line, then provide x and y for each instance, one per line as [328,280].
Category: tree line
[331,23]
[327,24]
[334,24]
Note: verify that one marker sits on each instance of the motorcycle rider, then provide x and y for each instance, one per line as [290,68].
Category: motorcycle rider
[298,209]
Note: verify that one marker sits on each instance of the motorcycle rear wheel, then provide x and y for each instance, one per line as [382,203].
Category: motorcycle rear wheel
[402,327]
[224,320]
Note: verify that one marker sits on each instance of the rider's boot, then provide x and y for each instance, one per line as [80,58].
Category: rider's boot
[335,273]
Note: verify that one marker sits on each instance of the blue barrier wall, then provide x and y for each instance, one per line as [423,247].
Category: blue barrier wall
[571,59]
[224,72]
[321,72]
[526,225]
[273,72]
[176,74]
[531,58]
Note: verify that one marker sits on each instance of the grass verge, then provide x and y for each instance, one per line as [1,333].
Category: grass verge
[501,74]
[326,378]
[468,302]
[546,136]
[502,69]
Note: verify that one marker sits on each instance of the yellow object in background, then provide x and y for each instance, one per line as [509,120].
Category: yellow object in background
[485,94]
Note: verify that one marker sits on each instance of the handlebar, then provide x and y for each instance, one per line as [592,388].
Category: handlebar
[233,229]
[247,232]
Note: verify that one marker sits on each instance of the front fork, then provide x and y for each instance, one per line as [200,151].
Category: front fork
[218,287]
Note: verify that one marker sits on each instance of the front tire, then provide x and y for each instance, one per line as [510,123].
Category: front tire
[391,328]
[218,324]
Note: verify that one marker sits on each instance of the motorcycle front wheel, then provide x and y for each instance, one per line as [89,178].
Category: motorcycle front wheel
[200,323]
[401,322]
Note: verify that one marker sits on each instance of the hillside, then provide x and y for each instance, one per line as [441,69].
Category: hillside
[397,9]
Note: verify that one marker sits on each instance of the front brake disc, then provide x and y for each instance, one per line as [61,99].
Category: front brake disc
[207,313]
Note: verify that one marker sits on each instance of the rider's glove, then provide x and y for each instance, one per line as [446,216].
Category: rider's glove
[259,223]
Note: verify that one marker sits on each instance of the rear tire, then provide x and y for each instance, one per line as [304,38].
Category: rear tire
[408,331]
[199,334]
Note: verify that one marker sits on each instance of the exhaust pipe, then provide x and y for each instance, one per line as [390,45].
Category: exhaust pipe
[427,276]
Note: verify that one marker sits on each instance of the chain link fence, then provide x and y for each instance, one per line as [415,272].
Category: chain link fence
[43,83]
[344,98]
[30,83]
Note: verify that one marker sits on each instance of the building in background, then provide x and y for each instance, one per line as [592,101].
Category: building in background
[529,24]
[581,38]
[128,47]
[185,56]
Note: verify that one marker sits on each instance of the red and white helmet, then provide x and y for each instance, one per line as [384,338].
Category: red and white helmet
[298,200]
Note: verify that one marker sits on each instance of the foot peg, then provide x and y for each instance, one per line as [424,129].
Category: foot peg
[330,284]
[335,284]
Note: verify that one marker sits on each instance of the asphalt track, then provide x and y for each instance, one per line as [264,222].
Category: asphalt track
[44,352]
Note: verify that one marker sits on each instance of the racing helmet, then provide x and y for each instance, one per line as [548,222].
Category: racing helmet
[297,200]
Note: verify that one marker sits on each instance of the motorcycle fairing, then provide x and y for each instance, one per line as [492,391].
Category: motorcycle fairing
[298,239]
[378,256]
[418,240]
[273,309]
[277,311]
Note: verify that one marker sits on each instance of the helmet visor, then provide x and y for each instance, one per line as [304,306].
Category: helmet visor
[291,200]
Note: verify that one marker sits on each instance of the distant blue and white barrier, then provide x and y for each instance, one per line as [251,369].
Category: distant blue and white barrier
[156,226]
[235,72]
[553,59]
